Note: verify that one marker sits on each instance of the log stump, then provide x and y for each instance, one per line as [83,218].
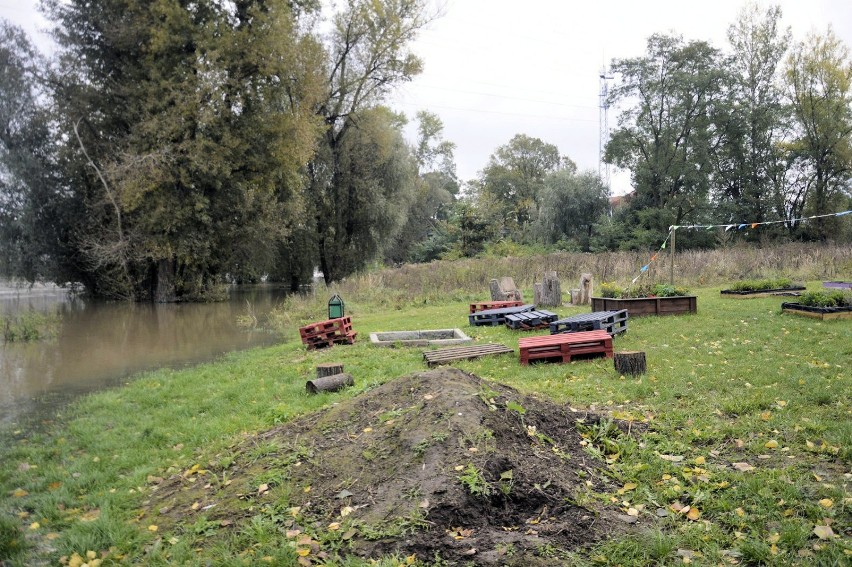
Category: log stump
[331,383]
[329,369]
[551,291]
[630,363]
[504,289]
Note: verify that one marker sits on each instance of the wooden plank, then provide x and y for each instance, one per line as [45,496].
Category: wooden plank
[452,354]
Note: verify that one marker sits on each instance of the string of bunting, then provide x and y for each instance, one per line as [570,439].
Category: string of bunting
[727,227]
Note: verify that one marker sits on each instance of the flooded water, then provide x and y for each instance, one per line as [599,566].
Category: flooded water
[101,344]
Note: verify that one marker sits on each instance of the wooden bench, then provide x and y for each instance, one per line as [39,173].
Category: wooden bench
[452,354]
[565,346]
[484,305]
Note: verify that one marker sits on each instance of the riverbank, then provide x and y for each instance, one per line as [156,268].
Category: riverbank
[742,455]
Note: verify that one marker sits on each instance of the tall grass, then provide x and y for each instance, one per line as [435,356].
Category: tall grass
[29,326]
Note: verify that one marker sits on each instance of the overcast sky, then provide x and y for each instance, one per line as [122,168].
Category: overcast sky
[496,68]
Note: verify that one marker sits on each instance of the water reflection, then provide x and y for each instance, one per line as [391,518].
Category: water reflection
[99,344]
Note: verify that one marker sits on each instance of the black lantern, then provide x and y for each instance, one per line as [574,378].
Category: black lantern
[335,307]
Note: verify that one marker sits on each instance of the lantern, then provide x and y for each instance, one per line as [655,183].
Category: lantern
[335,307]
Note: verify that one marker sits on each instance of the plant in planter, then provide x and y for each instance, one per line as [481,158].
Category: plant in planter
[833,304]
[652,299]
[758,288]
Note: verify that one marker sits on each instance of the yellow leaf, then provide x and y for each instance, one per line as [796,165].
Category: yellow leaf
[826,503]
[629,486]
[19,493]
[774,538]
[52,535]
[368,429]
[771,444]
[740,512]
[410,559]
[294,511]
[196,505]
[35,526]
[307,489]
[765,416]
[693,514]
[91,554]
[823,532]
[773,549]
[303,551]
[345,511]
[632,512]
[153,528]
[699,460]
[334,526]
[262,488]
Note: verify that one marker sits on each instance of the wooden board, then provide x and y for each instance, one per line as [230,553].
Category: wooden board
[452,354]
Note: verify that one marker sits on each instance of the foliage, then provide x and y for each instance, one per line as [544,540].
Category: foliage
[833,298]
[29,325]
[571,204]
[762,285]
[473,479]
[610,289]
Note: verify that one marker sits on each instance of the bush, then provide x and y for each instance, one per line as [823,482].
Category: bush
[30,326]
[762,285]
[835,298]
[609,289]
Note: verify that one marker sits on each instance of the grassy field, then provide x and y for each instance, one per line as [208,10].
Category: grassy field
[744,457]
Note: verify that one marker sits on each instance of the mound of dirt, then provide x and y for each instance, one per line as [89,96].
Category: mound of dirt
[437,464]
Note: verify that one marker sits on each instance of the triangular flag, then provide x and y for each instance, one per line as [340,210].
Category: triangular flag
[843,213]
[636,278]
[729,227]
[754,224]
[742,226]
[654,257]
[663,246]
[644,268]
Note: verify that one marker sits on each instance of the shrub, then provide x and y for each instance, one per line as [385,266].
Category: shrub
[30,326]
[609,289]
[835,298]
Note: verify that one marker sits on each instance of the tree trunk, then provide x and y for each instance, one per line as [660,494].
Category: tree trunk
[331,383]
[551,292]
[329,369]
[165,292]
[631,363]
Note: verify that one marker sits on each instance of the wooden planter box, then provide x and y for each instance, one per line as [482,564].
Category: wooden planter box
[837,285]
[641,306]
[790,291]
[823,313]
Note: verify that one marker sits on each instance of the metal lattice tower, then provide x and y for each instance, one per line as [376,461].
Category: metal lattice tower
[603,118]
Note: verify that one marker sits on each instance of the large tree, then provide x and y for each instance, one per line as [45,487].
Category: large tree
[368,54]
[571,204]
[510,183]
[751,120]
[819,81]
[664,136]
[182,129]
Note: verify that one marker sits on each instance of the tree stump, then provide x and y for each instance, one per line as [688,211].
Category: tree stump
[331,383]
[585,289]
[629,362]
[504,290]
[537,294]
[551,291]
[329,369]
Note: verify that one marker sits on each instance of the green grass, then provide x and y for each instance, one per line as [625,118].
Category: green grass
[723,386]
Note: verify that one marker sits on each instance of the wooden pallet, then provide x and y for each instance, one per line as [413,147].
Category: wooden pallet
[613,322]
[496,316]
[485,305]
[565,346]
[452,354]
[529,320]
[327,333]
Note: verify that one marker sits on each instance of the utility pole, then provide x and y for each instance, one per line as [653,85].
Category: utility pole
[603,119]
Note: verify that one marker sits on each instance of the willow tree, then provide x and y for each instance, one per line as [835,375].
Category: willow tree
[819,81]
[367,55]
[183,127]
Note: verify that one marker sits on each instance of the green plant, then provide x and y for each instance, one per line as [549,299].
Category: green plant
[30,326]
[762,285]
[611,290]
[834,298]
[473,479]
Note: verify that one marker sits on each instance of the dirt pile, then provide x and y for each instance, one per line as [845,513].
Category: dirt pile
[437,464]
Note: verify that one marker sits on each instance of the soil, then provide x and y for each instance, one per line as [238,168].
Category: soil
[441,464]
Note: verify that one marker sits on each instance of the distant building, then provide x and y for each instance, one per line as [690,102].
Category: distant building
[618,201]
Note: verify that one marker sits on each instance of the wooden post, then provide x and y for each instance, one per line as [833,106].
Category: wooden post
[329,369]
[537,294]
[629,362]
[672,256]
[329,383]
[551,291]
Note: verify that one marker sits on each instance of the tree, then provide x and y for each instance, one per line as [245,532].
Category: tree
[664,137]
[367,50]
[571,204]
[511,182]
[819,77]
[182,129]
[751,119]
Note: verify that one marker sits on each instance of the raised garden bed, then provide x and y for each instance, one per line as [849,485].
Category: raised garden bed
[824,313]
[837,285]
[641,306]
[437,337]
[782,291]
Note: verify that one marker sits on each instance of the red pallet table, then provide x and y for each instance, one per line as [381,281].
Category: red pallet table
[327,333]
[485,305]
[565,346]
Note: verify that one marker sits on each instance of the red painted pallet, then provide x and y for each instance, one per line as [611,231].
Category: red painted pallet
[565,346]
[328,333]
[485,305]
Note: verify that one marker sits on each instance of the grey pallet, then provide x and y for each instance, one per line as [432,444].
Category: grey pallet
[496,316]
[613,322]
[535,319]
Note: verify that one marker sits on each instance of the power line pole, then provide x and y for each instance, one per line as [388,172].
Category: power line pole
[603,119]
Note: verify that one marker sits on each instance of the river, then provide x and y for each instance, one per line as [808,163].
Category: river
[100,344]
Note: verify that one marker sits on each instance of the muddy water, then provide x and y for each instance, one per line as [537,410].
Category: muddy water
[100,344]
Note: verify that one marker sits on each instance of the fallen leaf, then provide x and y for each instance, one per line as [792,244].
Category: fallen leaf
[346,510]
[632,511]
[699,460]
[771,444]
[262,488]
[693,514]
[823,532]
[334,526]
[774,538]
[672,458]
[743,467]
[153,528]
[343,494]
[19,493]
[225,523]
[826,503]
[35,526]
[740,512]
[627,487]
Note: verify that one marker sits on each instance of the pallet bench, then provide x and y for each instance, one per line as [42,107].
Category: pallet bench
[453,354]
[565,346]
[613,322]
[496,316]
[485,305]
[328,333]
[529,320]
